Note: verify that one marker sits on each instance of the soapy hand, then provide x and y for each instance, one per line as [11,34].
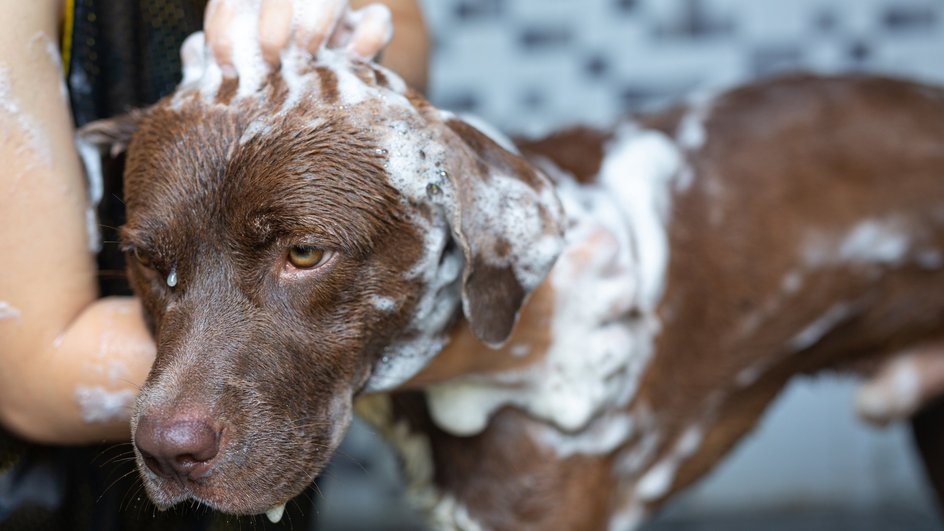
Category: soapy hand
[282,25]
[903,385]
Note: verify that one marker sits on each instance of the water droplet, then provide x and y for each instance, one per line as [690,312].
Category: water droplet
[172,277]
[380,151]
[443,174]
[385,359]
[433,189]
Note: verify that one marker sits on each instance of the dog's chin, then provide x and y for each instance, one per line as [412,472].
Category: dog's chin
[258,495]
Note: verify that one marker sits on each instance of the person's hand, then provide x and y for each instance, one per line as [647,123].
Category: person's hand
[903,384]
[304,25]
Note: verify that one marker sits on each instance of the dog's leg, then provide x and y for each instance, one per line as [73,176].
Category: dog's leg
[505,478]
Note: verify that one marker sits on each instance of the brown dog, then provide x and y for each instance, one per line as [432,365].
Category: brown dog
[329,233]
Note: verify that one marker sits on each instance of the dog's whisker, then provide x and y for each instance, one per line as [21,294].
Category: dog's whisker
[113,483]
[110,448]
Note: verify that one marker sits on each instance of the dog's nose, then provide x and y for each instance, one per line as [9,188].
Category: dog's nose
[177,447]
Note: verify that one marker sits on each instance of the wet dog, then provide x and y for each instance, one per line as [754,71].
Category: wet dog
[323,232]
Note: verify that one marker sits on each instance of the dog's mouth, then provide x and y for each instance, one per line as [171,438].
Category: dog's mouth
[168,494]
[231,483]
[245,468]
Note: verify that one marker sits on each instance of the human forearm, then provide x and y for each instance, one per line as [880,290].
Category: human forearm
[51,325]
[78,388]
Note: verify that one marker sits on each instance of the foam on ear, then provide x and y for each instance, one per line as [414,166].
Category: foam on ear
[509,224]
[109,136]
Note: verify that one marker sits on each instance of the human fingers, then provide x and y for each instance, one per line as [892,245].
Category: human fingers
[275,29]
[191,57]
[372,31]
[315,21]
[218,19]
[902,386]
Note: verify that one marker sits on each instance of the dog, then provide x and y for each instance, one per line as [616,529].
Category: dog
[557,333]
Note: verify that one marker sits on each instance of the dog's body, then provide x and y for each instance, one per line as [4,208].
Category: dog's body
[790,250]
[707,255]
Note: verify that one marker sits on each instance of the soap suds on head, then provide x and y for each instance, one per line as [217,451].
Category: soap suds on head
[98,404]
[401,132]
[8,312]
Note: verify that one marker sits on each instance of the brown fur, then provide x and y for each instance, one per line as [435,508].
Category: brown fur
[793,154]
[274,360]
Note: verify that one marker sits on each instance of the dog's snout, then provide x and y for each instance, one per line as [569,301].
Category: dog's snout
[177,447]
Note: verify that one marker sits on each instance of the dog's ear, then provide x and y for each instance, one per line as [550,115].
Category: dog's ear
[508,222]
[110,135]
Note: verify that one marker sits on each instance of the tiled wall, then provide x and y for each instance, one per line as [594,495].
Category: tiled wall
[531,65]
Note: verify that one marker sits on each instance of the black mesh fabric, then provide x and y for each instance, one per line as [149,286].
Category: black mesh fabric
[125,54]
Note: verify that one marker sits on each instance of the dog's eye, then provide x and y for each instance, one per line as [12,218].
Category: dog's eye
[305,257]
[142,258]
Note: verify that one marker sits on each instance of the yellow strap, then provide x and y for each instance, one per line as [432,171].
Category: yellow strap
[68,25]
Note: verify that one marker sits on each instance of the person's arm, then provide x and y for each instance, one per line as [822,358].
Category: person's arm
[60,348]
[71,364]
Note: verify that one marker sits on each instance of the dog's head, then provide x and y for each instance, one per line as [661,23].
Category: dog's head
[296,244]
